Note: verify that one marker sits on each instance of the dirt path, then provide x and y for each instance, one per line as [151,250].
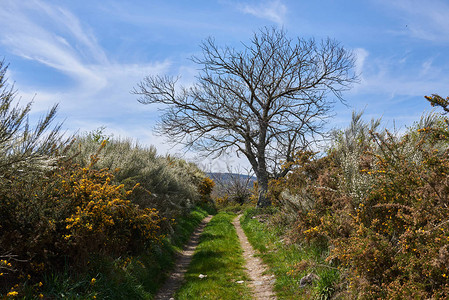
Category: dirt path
[182,263]
[262,285]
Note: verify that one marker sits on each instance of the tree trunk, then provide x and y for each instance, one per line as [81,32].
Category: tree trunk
[262,180]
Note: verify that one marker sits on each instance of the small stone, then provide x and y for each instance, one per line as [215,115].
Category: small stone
[308,279]
[202,276]
[239,282]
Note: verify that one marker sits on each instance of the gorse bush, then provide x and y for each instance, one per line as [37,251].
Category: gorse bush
[64,215]
[169,184]
[402,225]
[379,202]
[26,154]
[69,215]
[205,188]
[101,209]
[78,204]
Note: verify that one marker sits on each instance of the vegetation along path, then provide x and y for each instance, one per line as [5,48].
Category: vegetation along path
[182,262]
[261,284]
[218,263]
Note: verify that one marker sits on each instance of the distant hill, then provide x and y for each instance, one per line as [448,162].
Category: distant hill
[224,178]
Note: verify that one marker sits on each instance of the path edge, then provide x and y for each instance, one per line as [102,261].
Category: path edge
[182,262]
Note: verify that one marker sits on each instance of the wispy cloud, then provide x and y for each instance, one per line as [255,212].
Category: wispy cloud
[360,56]
[426,20]
[100,94]
[274,11]
[70,49]
[380,76]
[393,87]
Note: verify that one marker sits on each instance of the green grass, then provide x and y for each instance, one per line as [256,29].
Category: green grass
[219,256]
[185,226]
[136,277]
[289,262]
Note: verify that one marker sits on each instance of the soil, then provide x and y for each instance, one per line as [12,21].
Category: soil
[176,278]
[261,283]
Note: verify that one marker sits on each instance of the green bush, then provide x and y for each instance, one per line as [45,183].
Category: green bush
[379,201]
[68,216]
[65,204]
[399,246]
[169,184]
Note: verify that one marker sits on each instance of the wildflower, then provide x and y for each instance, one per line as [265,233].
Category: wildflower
[92,282]
[12,294]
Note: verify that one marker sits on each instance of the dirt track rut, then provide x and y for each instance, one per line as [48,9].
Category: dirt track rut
[261,284]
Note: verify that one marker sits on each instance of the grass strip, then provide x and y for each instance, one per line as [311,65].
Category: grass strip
[289,263]
[133,277]
[219,256]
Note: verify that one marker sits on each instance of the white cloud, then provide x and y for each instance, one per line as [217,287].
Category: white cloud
[400,75]
[100,95]
[24,31]
[274,11]
[360,56]
[426,66]
[69,49]
[385,81]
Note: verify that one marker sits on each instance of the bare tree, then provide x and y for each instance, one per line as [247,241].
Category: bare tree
[266,101]
[236,184]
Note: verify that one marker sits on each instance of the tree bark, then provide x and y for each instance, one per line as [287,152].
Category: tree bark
[262,181]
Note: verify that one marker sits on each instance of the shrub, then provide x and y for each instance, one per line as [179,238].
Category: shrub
[379,202]
[24,148]
[166,183]
[205,188]
[63,207]
[232,188]
[399,247]
[26,153]
[102,210]
[69,215]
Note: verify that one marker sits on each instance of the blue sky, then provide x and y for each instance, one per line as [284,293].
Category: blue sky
[88,55]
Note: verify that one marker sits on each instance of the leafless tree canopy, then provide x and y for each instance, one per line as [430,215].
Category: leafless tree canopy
[267,100]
